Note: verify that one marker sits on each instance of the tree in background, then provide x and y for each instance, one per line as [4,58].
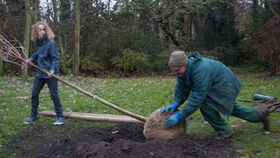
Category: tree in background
[35,10]
[258,26]
[60,24]
[26,40]
[1,31]
[221,29]
[1,61]
[266,40]
[11,22]
[76,56]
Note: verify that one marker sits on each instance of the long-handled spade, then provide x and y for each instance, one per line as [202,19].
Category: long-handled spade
[14,53]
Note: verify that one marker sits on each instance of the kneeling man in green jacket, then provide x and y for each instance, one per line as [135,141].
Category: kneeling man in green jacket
[212,87]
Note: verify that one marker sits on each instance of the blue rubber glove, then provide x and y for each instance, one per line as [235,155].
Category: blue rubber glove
[172,107]
[172,120]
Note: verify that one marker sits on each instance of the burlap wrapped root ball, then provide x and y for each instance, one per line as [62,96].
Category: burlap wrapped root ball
[154,127]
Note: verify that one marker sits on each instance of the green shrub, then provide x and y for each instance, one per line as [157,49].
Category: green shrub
[130,61]
[91,64]
[160,61]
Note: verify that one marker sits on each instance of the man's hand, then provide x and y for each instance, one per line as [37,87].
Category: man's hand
[171,108]
[174,119]
[51,73]
[27,62]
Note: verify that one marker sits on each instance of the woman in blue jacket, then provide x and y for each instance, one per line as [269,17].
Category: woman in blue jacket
[47,58]
[211,87]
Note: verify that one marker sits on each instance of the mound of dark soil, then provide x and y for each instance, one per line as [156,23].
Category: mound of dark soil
[119,141]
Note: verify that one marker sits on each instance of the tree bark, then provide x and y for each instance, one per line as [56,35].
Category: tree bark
[76,56]
[35,8]
[1,61]
[190,32]
[1,65]
[255,13]
[109,3]
[126,6]
[271,8]
[26,40]
[54,10]
[62,54]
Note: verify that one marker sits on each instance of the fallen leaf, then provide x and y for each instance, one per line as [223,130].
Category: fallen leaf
[74,101]
[68,109]
[21,97]
[266,133]
[239,151]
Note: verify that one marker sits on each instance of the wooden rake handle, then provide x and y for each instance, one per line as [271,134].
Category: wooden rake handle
[111,105]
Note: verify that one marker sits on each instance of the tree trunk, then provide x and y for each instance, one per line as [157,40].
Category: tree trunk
[58,27]
[190,32]
[126,6]
[109,3]
[26,40]
[76,56]
[1,64]
[62,54]
[271,8]
[64,9]
[54,10]
[35,8]
[1,61]
[255,14]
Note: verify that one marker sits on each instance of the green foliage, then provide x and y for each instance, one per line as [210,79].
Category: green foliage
[265,42]
[91,64]
[160,61]
[218,26]
[1,68]
[249,68]
[147,27]
[229,55]
[130,61]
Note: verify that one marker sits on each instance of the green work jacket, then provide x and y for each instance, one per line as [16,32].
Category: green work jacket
[209,82]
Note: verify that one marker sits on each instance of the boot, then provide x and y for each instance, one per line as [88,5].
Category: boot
[225,136]
[265,120]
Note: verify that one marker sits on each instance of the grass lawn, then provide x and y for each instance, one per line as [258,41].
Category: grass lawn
[139,95]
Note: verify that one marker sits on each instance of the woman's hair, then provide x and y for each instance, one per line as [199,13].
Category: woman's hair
[34,31]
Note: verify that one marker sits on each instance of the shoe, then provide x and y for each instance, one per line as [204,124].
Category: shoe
[59,121]
[225,136]
[29,120]
[265,120]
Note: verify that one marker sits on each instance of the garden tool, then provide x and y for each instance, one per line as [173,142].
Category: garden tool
[273,106]
[259,98]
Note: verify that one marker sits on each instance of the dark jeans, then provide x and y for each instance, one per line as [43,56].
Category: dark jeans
[38,84]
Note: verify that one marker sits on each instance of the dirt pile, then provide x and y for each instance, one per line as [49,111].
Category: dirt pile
[119,141]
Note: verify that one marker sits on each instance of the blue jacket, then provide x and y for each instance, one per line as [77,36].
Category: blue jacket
[207,82]
[46,56]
